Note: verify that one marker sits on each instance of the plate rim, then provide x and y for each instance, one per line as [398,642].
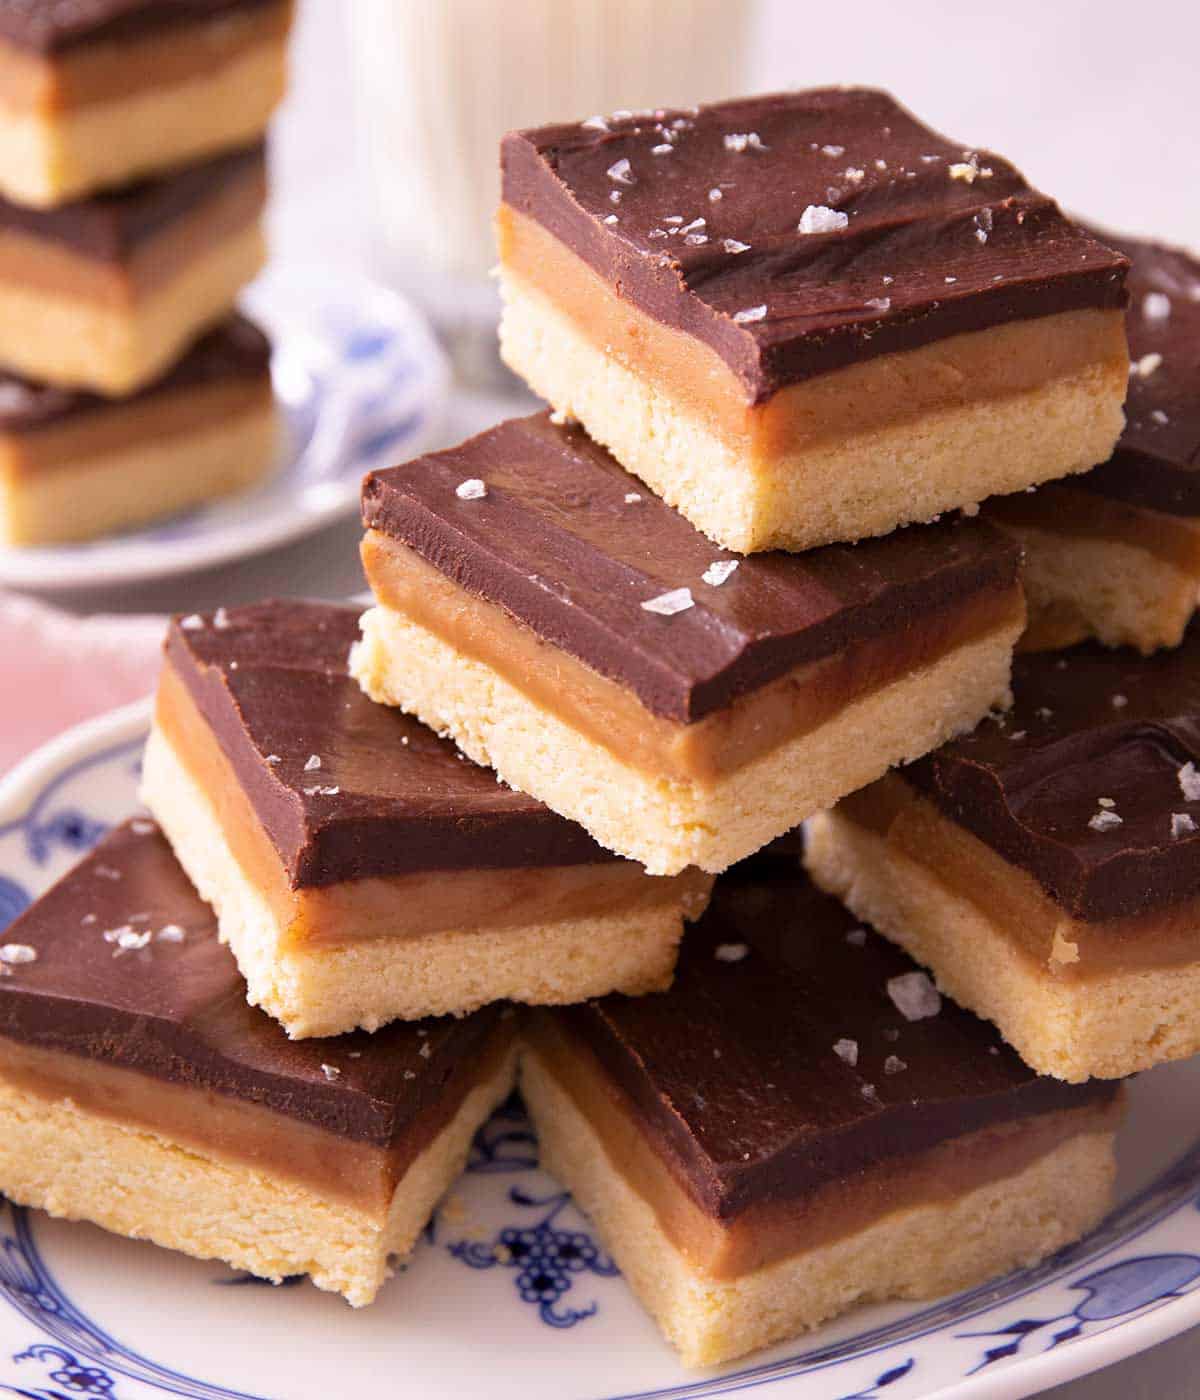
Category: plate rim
[52,569]
[26,784]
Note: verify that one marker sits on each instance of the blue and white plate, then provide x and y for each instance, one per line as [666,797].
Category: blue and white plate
[362,383]
[85,1314]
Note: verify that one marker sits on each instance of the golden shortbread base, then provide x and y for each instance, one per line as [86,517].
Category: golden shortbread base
[920,1252]
[318,991]
[666,825]
[134,1182]
[1108,1025]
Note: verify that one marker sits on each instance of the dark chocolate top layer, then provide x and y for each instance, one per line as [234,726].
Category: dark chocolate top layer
[733,1072]
[236,349]
[109,227]
[1089,724]
[388,797]
[51,26]
[922,254]
[177,1010]
[1157,461]
[555,543]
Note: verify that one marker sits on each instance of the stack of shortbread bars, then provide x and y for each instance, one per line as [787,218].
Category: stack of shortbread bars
[811,367]
[132,183]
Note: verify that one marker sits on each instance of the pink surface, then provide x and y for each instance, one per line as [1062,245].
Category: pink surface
[56,669]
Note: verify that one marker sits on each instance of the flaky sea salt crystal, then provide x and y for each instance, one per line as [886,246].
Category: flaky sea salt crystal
[718,571]
[611,219]
[1146,366]
[312,763]
[694,240]
[620,172]
[1118,702]
[14,954]
[1181,825]
[817,218]
[879,303]
[857,937]
[470,490]
[676,600]
[170,933]
[664,149]
[596,123]
[143,826]
[914,996]
[846,1050]
[1159,417]
[963,170]
[192,623]
[740,141]
[331,1072]
[273,759]
[1104,820]
[750,313]
[1156,306]
[730,952]
[714,195]
[894,1065]
[1189,782]
[221,619]
[1105,802]
[833,151]
[733,245]
[632,497]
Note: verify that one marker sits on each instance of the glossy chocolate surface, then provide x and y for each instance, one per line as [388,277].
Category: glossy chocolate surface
[49,26]
[555,543]
[110,227]
[1088,724]
[922,256]
[733,1074]
[1157,461]
[237,349]
[389,796]
[177,1010]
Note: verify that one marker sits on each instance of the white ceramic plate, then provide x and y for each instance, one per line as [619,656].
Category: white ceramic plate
[362,383]
[85,1314]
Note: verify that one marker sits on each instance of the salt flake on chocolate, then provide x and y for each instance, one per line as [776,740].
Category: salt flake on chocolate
[1105,820]
[14,954]
[750,313]
[718,571]
[677,600]
[740,141]
[857,937]
[1146,366]
[312,763]
[1181,825]
[1156,306]
[471,490]
[817,218]
[730,952]
[914,996]
[221,620]
[733,245]
[331,1072]
[620,172]
[846,1050]
[1189,782]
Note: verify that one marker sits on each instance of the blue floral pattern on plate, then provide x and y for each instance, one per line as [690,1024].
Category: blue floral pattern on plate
[544,1258]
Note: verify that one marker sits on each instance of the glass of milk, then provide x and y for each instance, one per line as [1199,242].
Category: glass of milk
[438,82]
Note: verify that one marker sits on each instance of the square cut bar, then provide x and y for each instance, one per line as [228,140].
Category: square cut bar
[139,1091]
[97,94]
[681,704]
[75,465]
[106,293]
[360,867]
[772,1141]
[1047,869]
[1115,554]
[807,318]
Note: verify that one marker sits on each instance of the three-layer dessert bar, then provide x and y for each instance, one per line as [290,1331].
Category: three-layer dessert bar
[1115,554]
[684,705]
[1047,869]
[74,465]
[139,1091]
[363,869]
[807,318]
[106,293]
[97,94]
[800,1124]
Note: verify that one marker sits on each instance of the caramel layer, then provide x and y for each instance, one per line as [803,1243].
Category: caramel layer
[609,715]
[61,271]
[108,69]
[236,1130]
[966,368]
[1013,900]
[116,426]
[404,905]
[1064,510]
[780,1227]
